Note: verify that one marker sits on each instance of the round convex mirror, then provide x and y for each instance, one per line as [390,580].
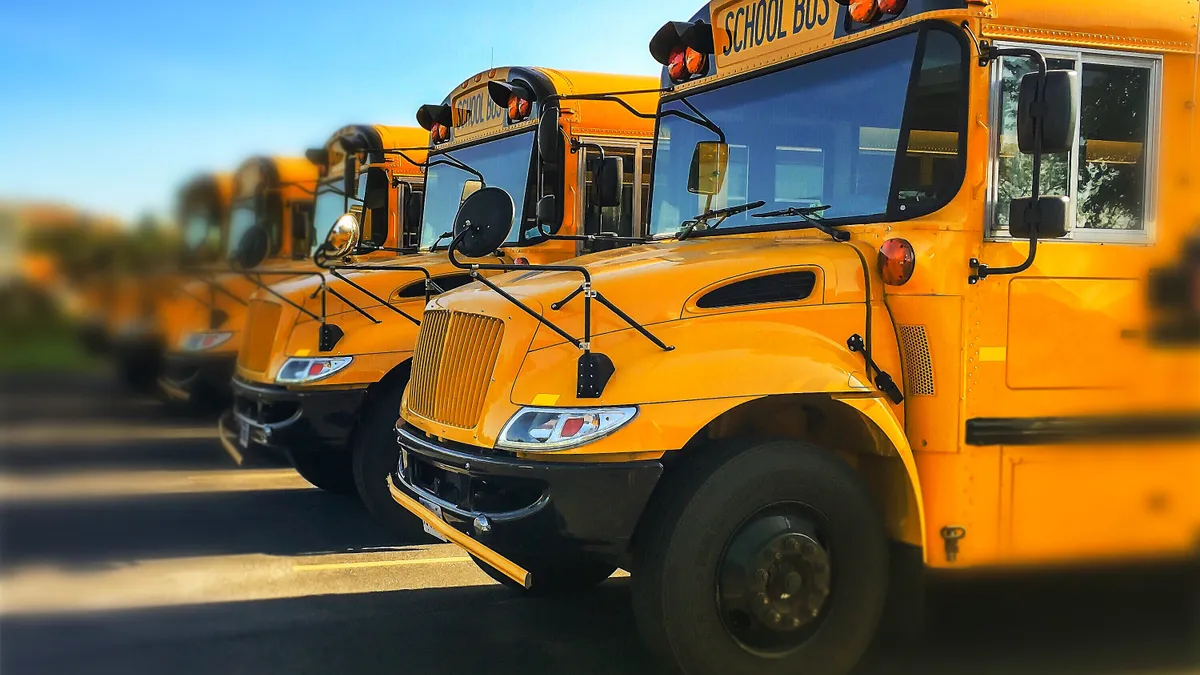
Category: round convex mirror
[483,222]
[252,247]
[343,236]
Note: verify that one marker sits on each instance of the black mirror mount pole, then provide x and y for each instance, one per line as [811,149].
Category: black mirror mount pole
[1039,112]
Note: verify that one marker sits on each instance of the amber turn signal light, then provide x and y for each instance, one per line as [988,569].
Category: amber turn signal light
[897,261]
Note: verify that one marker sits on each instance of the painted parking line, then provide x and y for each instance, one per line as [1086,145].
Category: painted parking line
[379,563]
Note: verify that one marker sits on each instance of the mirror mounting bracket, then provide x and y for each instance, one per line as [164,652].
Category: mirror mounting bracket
[328,335]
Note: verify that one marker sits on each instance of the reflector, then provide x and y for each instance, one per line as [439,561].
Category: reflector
[897,262]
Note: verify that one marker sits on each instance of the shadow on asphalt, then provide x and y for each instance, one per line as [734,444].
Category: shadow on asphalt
[140,455]
[118,530]
[1097,626]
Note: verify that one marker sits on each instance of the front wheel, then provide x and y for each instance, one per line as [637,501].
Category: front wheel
[764,559]
[554,576]
[376,455]
[325,470]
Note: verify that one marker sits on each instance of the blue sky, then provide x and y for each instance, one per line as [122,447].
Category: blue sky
[111,105]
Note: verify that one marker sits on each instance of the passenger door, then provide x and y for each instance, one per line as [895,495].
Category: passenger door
[627,220]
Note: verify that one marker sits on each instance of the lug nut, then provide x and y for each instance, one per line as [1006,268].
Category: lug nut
[762,575]
[775,617]
[795,622]
[763,599]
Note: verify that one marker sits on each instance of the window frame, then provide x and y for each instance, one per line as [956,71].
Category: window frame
[639,151]
[1081,56]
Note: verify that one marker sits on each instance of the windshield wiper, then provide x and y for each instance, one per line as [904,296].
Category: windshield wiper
[691,223]
[444,235]
[811,216]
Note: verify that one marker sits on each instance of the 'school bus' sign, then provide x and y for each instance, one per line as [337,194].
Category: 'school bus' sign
[752,29]
[474,111]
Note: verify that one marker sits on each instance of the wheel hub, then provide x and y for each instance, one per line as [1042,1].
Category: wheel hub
[773,582]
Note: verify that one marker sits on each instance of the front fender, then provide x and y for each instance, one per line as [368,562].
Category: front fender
[744,354]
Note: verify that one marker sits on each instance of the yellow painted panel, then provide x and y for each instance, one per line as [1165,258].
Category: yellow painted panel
[1066,333]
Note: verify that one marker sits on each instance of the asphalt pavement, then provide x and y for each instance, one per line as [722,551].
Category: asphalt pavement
[130,543]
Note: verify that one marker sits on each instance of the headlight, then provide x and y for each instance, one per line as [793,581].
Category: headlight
[300,371]
[199,342]
[540,429]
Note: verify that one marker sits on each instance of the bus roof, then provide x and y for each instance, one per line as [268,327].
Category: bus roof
[378,137]
[742,36]
[273,173]
[471,113]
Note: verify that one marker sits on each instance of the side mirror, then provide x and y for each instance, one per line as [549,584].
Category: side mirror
[349,184]
[343,236]
[252,247]
[469,188]
[414,207]
[1058,108]
[375,199]
[547,212]
[1048,218]
[609,180]
[549,136]
[483,222]
[710,162]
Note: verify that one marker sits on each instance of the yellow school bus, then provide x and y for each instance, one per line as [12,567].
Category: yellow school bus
[334,410]
[142,299]
[272,205]
[367,210]
[924,289]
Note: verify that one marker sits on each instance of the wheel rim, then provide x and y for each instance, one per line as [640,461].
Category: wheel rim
[774,580]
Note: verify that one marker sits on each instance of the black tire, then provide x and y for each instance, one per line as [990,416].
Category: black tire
[375,457]
[727,493]
[557,576]
[328,471]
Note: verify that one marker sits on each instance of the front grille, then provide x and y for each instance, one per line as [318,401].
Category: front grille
[261,324]
[452,366]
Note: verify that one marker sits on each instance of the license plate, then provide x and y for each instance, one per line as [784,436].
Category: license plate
[243,434]
[437,510]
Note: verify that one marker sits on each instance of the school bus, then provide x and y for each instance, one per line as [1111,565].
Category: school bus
[272,205]
[367,210]
[924,290]
[142,298]
[334,410]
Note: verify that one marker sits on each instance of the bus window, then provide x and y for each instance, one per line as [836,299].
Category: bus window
[374,181]
[302,226]
[1106,176]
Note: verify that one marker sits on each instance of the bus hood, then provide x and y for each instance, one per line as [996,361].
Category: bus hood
[662,282]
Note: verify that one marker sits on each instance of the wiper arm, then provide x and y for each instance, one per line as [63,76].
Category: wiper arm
[691,223]
[811,216]
[444,235]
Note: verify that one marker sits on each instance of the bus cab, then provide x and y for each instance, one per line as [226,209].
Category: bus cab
[273,199]
[331,404]
[919,291]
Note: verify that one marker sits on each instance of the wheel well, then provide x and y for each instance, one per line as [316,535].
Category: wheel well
[396,377]
[825,422]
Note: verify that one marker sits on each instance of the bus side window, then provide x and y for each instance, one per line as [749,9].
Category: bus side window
[1106,176]
[610,220]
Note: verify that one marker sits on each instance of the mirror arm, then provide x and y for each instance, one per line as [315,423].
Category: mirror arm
[256,279]
[1038,111]
[351,305]
[614,97]
[544,232]
[334,271]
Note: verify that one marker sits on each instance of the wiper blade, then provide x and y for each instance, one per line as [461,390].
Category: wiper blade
[691,223]
[811,215]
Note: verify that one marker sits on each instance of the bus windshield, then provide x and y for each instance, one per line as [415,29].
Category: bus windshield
[504,163]
[842,131]
[330,204]
[201,232]
[241,219]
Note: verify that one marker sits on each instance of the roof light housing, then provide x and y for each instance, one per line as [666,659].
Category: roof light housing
[684,48]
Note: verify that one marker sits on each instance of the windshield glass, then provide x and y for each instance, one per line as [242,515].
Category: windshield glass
[201,231]
[828,132]
[330,204]
[504,163]
[241,219]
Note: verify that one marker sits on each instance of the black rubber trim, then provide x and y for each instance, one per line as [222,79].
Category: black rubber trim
[983,431]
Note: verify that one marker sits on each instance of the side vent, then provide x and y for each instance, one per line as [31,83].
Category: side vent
[782,287]
[446,283]
[918,366]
